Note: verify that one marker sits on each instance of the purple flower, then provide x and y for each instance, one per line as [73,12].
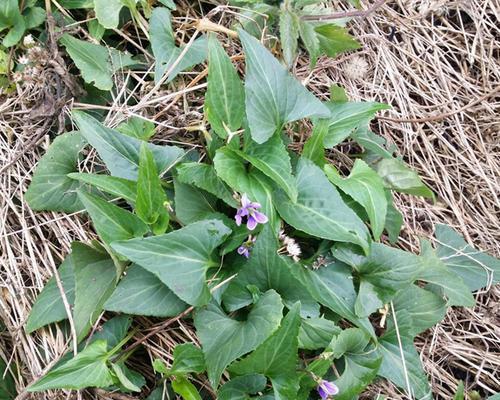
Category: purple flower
[245,247]
[327,389]
[249,209]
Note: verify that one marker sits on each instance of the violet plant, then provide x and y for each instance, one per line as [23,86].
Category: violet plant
[292,287]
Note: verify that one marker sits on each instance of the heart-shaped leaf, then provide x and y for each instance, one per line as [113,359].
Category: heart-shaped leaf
[319,210]
[273,160]
[112,222]
[87,369]
[367,188]
[180,258]
[276,358]
[267,270]
[225,339]
[272,96]
[141,293]
[346,117]
[51,189]
[119,152]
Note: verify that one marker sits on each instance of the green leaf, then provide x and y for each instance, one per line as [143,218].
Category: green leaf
[338,94]
[71,4]
[332,286]
[119,371]
[335,39]
[393,220]
[359,371]
[424,308]
[204,177]
[193,204]
[9,13]
[141,293]
[138,128]
[316,333]
[96,30]
[113,331]
[112,222]
[399,177]
[120,187]
[180,258]
[402,363]
[87,369]
[15,33]
[151,197]
[476,268]
[375,145]
[272,96]
[119,152]
[33,17]
[360,365]
[240,387]
[50,188]
[386,269]
[459,394]
[166,52]
[314,148]
[49,306]
[94,283]
[231,169]
[187,359]
[311,42]
[367,188]
[267,270]
[7,383]
[289,35]
[108,12]
[225,96]
[273,160]
[168,3]
[345,117]
[437,273]
[319,210]
[224,339]
[276,358]
[185,388]
[96,63]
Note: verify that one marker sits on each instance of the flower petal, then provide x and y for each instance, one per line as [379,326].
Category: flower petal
[322,393]
[329,388]
[245,201]
[254,205]
[251,223]
[259,217]
[237,217]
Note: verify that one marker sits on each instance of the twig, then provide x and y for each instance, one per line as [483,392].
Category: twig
[205,24]
[345,14]
[400,344]
[444,115]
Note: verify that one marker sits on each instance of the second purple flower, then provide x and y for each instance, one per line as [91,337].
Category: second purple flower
[249,209]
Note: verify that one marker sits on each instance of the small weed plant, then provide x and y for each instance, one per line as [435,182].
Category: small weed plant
[287,268]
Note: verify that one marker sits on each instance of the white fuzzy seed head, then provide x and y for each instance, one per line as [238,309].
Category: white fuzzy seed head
[356,68]
[23,60]
[28,41]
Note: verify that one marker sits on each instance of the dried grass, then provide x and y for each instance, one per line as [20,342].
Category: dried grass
[425,58]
